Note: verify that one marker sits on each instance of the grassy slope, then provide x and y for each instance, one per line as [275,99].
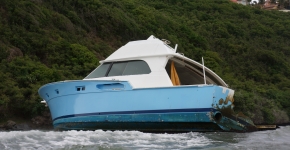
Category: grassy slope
[42,42]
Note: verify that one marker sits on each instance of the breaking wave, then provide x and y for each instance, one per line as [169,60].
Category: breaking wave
[35,139]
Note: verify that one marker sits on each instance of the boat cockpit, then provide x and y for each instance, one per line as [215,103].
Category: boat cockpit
[183,72]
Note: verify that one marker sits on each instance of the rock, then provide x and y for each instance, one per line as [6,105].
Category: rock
[2,127]
[43,120]
[22,126]
[38,120]
[10,125]
[46,114]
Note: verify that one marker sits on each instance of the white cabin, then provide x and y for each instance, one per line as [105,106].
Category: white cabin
[153,63]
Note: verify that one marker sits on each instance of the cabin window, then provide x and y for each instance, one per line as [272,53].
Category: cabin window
[136,67]
[120,69]
[129,68]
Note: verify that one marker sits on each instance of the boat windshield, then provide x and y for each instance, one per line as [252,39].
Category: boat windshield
[123,68]
[101,71]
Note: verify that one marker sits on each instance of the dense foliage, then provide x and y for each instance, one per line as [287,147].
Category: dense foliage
[46,41]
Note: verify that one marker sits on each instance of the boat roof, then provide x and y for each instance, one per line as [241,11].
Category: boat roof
[154,47]
[151,47]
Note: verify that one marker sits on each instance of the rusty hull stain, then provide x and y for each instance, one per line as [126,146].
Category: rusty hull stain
[221,101]
[231,121]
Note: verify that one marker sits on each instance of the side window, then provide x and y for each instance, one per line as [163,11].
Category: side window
[100,71]
[117,69]
[120,69]
[129,68]
[136,67]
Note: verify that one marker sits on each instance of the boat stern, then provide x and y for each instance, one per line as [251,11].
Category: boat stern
[225,116]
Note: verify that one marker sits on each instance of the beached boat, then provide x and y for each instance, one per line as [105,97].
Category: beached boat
[147,86]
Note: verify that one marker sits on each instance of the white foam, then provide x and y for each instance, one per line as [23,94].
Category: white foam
[137,140]
[106,139]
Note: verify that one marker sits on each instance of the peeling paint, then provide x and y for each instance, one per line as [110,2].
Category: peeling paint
[221,101]
[224,89]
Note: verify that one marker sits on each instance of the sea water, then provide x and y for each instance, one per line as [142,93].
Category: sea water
[278,139]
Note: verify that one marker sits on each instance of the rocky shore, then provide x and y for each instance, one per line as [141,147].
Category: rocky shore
[41,122]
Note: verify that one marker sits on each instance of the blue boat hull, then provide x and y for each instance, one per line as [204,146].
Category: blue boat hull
[114,105]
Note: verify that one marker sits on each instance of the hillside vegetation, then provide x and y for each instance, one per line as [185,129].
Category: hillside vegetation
[46,41]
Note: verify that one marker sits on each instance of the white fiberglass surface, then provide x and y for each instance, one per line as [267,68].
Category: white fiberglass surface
[140,49]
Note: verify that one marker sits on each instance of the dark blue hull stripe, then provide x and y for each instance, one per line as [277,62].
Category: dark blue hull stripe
[139,112]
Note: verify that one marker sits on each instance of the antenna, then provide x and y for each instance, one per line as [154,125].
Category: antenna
[203,71]
[175,47]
